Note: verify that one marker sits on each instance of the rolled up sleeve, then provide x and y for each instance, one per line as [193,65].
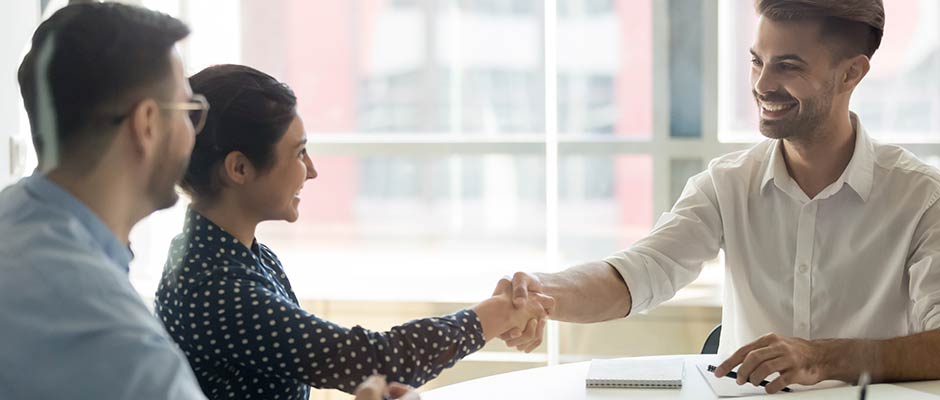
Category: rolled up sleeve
[924,271]
[672,255]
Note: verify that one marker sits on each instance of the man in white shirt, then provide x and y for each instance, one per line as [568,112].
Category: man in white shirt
[831,240]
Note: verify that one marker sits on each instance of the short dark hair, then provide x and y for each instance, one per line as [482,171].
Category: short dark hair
[250,113]
[856,25]
[106,56]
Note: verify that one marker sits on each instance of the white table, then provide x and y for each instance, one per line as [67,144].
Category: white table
[566,382]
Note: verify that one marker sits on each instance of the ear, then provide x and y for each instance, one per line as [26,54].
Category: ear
[854,70]
[144,123]
[237,169]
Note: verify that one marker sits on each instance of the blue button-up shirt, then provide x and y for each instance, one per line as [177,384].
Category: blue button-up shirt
[71,324]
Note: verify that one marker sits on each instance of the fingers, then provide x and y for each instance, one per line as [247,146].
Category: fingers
[738,356]
[402,392]
[511,334]
[538,337]
[766,368]
[752,361]
[504,285]
[781,382]
[527,335]
[547,303]
[373,388]
[521,284]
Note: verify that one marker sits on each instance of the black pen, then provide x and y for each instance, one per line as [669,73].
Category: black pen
[863,382]
[732,374]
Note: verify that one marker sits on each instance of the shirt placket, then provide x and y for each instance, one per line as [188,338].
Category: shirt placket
[803,270]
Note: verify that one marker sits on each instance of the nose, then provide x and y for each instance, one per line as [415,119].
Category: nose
[311,170]
[763,81]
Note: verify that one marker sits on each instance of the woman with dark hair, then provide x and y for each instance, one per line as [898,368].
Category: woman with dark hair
[225,298]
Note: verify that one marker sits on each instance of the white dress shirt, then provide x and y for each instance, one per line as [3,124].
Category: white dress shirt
[860,260]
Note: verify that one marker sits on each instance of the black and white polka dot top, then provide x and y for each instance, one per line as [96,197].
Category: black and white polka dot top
[231,310]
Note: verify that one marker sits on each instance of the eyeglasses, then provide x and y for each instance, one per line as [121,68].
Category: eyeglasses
[197,107]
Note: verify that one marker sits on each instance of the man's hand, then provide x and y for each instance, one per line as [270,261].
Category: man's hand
[375,388]
[522,284]
[526,288]
[528,335]
[796,360]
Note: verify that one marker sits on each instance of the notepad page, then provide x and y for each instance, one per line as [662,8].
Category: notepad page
[880,391]
[644,373]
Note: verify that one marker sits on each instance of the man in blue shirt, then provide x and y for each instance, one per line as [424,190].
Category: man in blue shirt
[113,120]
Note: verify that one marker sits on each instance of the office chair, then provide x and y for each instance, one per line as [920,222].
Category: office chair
[711,342]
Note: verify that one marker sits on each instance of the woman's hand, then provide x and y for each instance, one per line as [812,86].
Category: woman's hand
[375,388]
[522,325]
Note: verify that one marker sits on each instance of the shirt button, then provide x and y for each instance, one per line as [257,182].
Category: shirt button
[804,268]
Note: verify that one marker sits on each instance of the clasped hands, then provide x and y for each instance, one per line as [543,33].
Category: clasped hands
[529,310]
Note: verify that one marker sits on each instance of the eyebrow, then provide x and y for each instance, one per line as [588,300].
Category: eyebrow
[785,57]
[302,142]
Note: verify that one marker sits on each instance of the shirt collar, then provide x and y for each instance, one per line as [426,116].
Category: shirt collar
[221,242]
[49,191]
[858,174]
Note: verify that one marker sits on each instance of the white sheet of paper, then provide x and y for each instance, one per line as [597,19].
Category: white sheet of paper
[727,387]
[879,391]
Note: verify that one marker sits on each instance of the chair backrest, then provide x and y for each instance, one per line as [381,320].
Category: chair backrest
[711,342]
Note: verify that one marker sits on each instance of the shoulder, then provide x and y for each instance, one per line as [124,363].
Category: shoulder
[190,268]
[896,159]
[49,247]
[743,166]
[898,166]
[747,160]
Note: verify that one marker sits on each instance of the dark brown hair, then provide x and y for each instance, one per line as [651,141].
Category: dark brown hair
[855,25]
[104,55]
[250,113]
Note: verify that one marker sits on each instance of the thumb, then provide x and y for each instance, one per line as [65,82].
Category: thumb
[504,285]
[402,392]
[372,388]
[520,288]
[547,303]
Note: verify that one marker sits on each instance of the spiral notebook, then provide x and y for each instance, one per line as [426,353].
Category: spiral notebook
[635,373]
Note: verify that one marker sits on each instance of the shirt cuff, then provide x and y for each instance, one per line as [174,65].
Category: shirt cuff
[469,323]
[632,270]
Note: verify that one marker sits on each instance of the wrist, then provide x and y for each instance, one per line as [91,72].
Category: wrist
[493,316]
[845,359]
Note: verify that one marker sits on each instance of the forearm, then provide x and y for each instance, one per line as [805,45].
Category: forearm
[591,292]
[417,351]
[907,358]
[494,316]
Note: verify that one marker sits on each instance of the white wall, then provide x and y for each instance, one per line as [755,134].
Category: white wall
[18,19]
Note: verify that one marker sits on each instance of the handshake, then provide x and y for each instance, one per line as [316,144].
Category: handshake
[516,312]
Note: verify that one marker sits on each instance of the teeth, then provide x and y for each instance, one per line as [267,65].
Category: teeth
[775,107]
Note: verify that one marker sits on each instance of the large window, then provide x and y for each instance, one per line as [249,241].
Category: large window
[461,140]
[456,141]
[438,158]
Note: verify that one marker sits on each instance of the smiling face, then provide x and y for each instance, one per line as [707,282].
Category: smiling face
[275,193]
[794,79]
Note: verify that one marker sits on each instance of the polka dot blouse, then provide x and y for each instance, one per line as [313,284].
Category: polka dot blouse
[230,308]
